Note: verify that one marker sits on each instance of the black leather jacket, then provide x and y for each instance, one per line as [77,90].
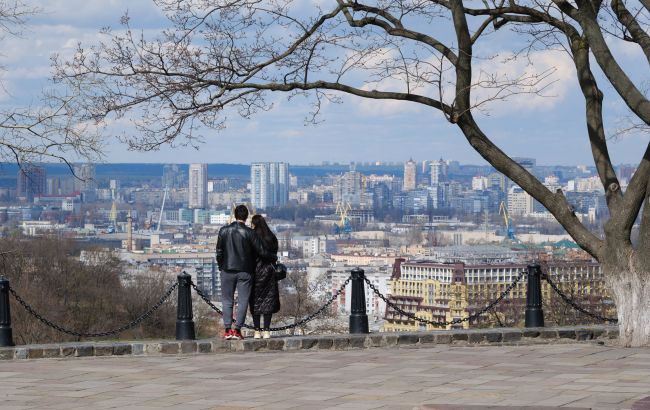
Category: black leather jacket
[238,248]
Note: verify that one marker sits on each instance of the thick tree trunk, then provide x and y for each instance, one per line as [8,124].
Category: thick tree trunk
[630,289]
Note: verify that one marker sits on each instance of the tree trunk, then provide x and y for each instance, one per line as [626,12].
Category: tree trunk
[630,287]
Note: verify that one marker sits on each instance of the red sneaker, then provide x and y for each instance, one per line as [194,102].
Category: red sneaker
[236,334]
[227,334]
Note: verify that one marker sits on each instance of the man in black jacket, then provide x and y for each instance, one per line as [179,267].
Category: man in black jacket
[238,247]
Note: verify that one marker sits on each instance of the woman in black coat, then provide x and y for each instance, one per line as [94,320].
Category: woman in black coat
[265,300]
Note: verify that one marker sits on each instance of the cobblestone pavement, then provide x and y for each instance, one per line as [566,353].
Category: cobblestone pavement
[445,377]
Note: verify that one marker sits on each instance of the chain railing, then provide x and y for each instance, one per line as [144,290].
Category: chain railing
[449,322]
[358,316]
[301,322]
[118,330]
[574,305]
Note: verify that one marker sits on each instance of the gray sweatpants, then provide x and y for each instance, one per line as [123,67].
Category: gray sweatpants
[242,281]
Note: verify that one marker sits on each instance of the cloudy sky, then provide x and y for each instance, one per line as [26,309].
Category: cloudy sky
[549,128]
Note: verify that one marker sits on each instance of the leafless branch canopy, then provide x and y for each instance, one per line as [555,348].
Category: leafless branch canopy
[47,130]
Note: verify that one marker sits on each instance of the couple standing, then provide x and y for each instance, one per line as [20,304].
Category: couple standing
[246,259]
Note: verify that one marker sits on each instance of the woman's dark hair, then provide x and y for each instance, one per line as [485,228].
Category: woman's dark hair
[241,213]
[265,233]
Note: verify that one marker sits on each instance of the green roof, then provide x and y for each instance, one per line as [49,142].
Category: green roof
[565,243]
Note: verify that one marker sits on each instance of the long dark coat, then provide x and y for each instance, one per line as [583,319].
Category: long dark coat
[266,296]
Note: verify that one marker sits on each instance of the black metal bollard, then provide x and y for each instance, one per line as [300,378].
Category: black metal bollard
[185,317]
[6,336]
[534,312]
[358,316]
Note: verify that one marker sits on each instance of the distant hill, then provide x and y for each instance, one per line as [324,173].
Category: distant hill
[146,170]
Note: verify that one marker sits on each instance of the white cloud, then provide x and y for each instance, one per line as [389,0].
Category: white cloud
[547,76]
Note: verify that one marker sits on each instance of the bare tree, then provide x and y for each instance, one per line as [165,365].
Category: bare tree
[82,297]
[301,297]
[228,54]
[47,129]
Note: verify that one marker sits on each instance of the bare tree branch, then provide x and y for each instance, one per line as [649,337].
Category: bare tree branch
[632,25]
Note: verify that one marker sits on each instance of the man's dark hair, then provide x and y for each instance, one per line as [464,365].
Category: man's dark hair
[241,213]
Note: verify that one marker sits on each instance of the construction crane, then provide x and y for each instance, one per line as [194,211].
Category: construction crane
[162,208]
[510,229]
[343,225]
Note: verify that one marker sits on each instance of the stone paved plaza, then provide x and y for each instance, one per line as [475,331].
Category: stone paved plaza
[541,376]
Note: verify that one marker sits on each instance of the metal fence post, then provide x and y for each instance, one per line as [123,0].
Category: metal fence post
[358,316]
[185,317]
[534,312]
[6,337]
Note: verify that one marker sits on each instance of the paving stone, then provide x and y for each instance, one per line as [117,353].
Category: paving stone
[235,345]
[511,336]
[408,339]
[293,344]
[643,404]
[459,337]
[427,338]
[257,344]
[507,377]
[204,347]
[35,353]
[152,348]
[21,353]
[566,334]
[7,353]
[309,343]
[121,349]
[84,350]
[277,344]
[476,338]
[548,334]
[325,343]
[443,338]
[68,351]
[220,345]
[188,346]
[584,335]
[357,341]
[389,340]
[137,348]
[340,343]
[103,350]
[531,332]
[170,348]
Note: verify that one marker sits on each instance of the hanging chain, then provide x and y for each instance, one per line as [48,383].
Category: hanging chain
[291,326]
[573,304]
[450,322]
[128,326]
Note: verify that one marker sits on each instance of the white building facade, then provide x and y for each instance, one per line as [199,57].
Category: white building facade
[269,184]
[198,189]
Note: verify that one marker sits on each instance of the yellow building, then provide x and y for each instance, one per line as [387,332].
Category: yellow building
[442,292]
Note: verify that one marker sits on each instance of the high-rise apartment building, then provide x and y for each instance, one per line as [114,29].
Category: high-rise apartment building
[497,180]
[348,188]
[438,172]
[519,201]
[173,176]
[85,178]
[198,188]
[410,174]
[269,184]
[32,182]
